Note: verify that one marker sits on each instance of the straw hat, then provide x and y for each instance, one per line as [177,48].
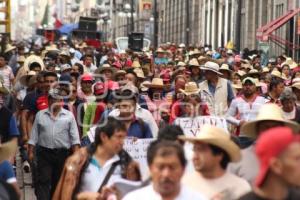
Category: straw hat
[255,81]
[143,88]
[238,85]
[190,88]
[194,62]
[3,89]
[160,50]
[277,74]
[218,137]
[31,59]
[120,72]
[181,45]
[267,112]
[194,52]
[290,62]
[265,70]
[24,79]
[9,48]
[139,72]
[181,64]
[240,73]
[52,47]
[136,64]
[65,52]
[8,149]
[253,72]
[225,67]
[296,85]
[157,83]
[211,66]
[105,67]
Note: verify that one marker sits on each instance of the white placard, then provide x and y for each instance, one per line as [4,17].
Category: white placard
[192,126]
[137,149]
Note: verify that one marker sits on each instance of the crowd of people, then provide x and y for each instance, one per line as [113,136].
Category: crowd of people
[71,106]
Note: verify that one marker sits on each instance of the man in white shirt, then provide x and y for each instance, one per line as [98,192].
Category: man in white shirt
[246,106]
[213,150]
[166,163]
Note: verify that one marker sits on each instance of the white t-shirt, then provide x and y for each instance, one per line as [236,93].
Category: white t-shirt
[94,175]
[228,186]
[148,193]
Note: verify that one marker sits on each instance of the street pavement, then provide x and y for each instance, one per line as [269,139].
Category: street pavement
[24,181]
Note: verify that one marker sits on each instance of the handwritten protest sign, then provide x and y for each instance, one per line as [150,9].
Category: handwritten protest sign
[192,126]
[137,149]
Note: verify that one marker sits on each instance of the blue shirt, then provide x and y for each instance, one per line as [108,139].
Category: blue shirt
[13,128]
[139,129]
[7,173]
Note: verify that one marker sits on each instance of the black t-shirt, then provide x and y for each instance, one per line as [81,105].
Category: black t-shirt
[293,195]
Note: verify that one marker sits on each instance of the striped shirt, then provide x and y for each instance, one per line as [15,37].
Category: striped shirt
[8,75]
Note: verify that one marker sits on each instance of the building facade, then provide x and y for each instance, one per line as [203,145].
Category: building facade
[215,22]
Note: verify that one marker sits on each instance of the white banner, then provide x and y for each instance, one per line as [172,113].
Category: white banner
[192,126]
[137,149]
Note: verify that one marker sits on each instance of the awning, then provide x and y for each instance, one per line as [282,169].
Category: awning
[265,33]
[67,28]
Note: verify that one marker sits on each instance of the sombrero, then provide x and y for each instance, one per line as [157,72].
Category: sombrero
[267,112]
[217,137]
[190,88]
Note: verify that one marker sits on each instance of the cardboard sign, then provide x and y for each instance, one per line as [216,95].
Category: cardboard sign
[192,126]
[137,149]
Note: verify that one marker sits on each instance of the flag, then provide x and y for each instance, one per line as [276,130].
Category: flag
[45,20]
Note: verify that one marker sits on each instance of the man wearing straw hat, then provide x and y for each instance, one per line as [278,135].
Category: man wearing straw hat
[216,91]
[269,116]
[213,150]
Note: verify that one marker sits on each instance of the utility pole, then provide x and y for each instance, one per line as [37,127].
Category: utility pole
[131,16]
[156,19]
[187,23]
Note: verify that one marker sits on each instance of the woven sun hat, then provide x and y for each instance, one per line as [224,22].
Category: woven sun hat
[181,64]
[3,89]
[265,70]
[290,62]
[52,47]
[217,137]
[9,48]
[194,52]
[253,72]
[190,88]
[24,79]
[267,112]
[194,62]
[160,50]
[105,67]
[139,72]
[211,66]
[143,88]
[181,45]
[277,74]
[136,64]
[8,149]
[156,83]
[225,67]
